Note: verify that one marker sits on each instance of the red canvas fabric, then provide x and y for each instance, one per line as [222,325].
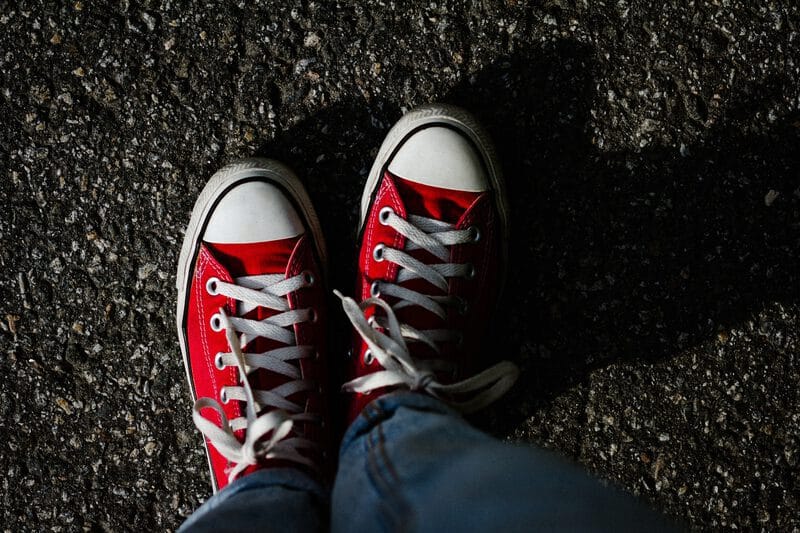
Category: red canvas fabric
[463,208]
[226,262]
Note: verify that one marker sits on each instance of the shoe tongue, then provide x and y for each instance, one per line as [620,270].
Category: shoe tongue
[433,202]
[255,258]
[441,204]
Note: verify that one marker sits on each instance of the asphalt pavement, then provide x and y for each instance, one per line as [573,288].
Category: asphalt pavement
[652,156]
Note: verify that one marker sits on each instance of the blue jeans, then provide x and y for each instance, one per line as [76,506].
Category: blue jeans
[409,463]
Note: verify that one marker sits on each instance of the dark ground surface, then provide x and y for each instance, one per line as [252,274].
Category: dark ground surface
[654,296]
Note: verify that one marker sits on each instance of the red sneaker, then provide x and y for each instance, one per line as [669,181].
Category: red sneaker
[251,321]
[433,249]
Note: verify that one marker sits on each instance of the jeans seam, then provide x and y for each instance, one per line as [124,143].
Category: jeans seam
[395,507]
[385,456]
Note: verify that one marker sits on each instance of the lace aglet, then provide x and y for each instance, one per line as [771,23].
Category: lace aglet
[346,300]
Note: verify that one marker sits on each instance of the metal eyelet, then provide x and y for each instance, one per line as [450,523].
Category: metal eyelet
[460,341]
[368,357]
[308,278]
[475,233]
[316,355]
[372,321]
[463,307]
[377,252]
[313,316]
[375,289]
[223,395]
[216,322]
[470,272]
[218,361]
[211,286]
[384,214]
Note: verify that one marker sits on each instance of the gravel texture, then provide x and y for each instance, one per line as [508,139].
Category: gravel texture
[651,152]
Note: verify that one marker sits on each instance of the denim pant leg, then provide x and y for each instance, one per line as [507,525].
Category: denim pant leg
[409,463]
[281,499]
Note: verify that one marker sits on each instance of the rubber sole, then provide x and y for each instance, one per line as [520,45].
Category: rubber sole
[252,169]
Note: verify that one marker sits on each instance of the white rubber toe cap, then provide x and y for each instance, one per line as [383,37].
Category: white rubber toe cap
[440,157]
[254,211]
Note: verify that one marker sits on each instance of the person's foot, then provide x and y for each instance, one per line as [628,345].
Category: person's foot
[433,247]
[251,321]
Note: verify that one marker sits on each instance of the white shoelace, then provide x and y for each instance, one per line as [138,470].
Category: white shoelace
[267,291]
[391,351]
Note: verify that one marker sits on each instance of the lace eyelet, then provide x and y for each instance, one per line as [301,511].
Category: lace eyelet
[211,286]
[460,341]
[463,307]
[308,278]
[368,357]
[316,355]
[372,321]
[223,395]
[377,252]
[470,272]
[313,316]
[375,289]
[218,361]
[384,214]
[475,233]
[216,322]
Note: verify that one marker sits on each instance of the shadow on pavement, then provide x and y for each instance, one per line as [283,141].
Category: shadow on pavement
[621,256]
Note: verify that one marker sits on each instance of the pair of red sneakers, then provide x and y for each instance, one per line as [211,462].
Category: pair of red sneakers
[251,294]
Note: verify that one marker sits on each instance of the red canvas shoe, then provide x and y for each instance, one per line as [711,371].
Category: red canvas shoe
[433,248]
[251,321]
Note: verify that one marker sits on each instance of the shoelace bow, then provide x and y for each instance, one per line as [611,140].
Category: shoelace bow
[267,291]
[391,350]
